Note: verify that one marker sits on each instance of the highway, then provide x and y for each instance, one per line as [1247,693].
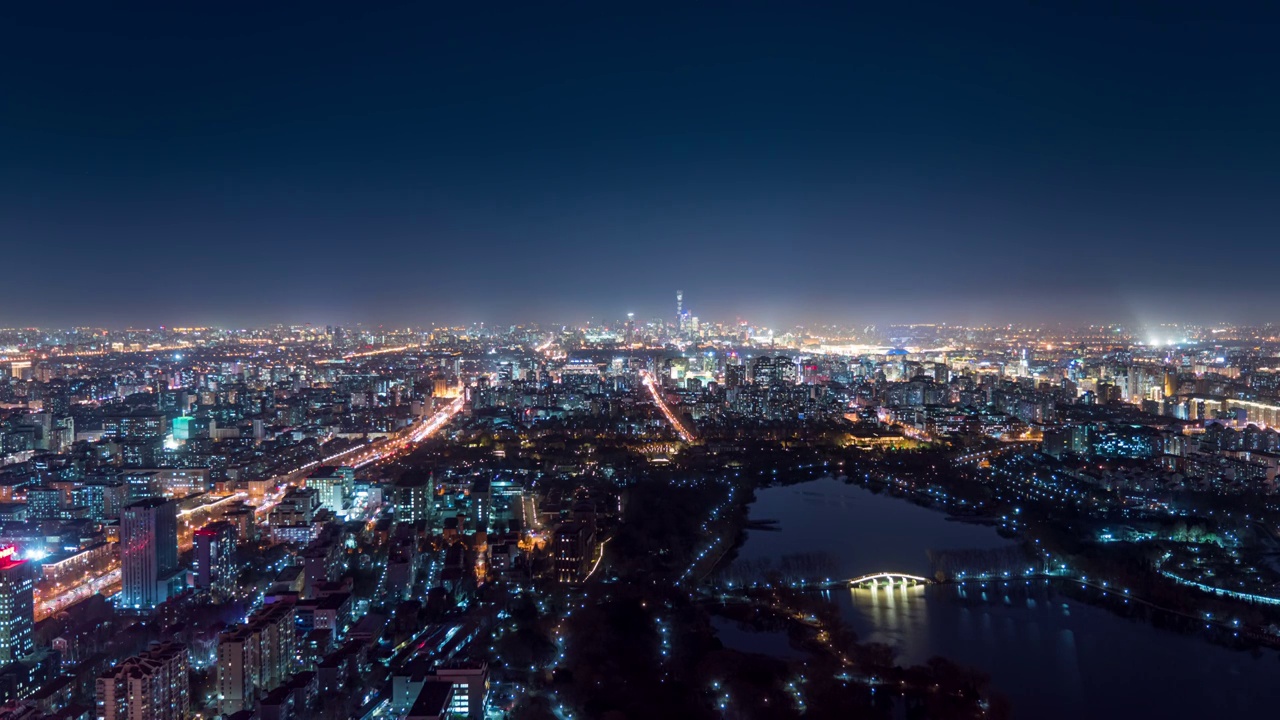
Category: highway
[372,353]
[396,444]
[662,405]
[108,583]
[361,455]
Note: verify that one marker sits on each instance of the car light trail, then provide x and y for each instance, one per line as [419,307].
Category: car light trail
[662,405]
[374,452]
[107,583]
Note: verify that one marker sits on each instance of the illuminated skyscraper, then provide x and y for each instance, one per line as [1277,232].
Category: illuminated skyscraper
[17,580]
[148,552]
[682,315]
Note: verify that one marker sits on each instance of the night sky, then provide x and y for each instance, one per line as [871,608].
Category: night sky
[837,161]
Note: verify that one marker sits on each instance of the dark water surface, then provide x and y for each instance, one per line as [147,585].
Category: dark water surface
[1051,656]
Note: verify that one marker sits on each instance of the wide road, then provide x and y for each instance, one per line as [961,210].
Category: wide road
[383,449]
[658,400]
[108,582]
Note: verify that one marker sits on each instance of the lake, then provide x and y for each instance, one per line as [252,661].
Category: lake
[1051,656]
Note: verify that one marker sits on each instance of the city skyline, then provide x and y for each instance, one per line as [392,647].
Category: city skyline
[199,523]
[684,312]
[634,329]
[576,360]
[406,164]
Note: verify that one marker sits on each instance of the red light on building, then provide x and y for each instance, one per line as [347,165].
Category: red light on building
[9,557]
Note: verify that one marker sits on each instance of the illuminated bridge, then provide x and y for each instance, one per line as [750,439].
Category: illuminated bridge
[884,580]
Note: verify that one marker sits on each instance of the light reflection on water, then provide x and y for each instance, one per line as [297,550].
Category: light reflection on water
[1053,657]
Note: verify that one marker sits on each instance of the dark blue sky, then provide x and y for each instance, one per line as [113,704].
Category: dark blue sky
[416,162]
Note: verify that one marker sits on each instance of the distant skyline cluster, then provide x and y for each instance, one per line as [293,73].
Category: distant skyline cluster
[709,329]
[778,321]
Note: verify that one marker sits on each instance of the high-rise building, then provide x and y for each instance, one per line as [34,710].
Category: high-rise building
[17,581]
[682,315]
[573,543]
[780,370]
[735,376]
[256,657]
[57,398]
[151,686]
[215,546]
[335,486]
[148,553]
[413,498]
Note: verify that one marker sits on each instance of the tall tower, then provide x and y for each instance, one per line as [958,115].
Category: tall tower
[679,306]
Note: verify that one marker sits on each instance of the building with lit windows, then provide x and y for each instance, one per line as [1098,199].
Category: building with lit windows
[257,657]
[470,681]
[413,499]
[103,498]
[148,553]
[151,686]
[297,507]
[295,534]
[573,542]
[140,425]
[44,503]
[215,546]
[735,376]
[335,487]
[17,582]
[780,370]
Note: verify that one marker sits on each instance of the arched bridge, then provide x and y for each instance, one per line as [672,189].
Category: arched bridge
[885,580]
